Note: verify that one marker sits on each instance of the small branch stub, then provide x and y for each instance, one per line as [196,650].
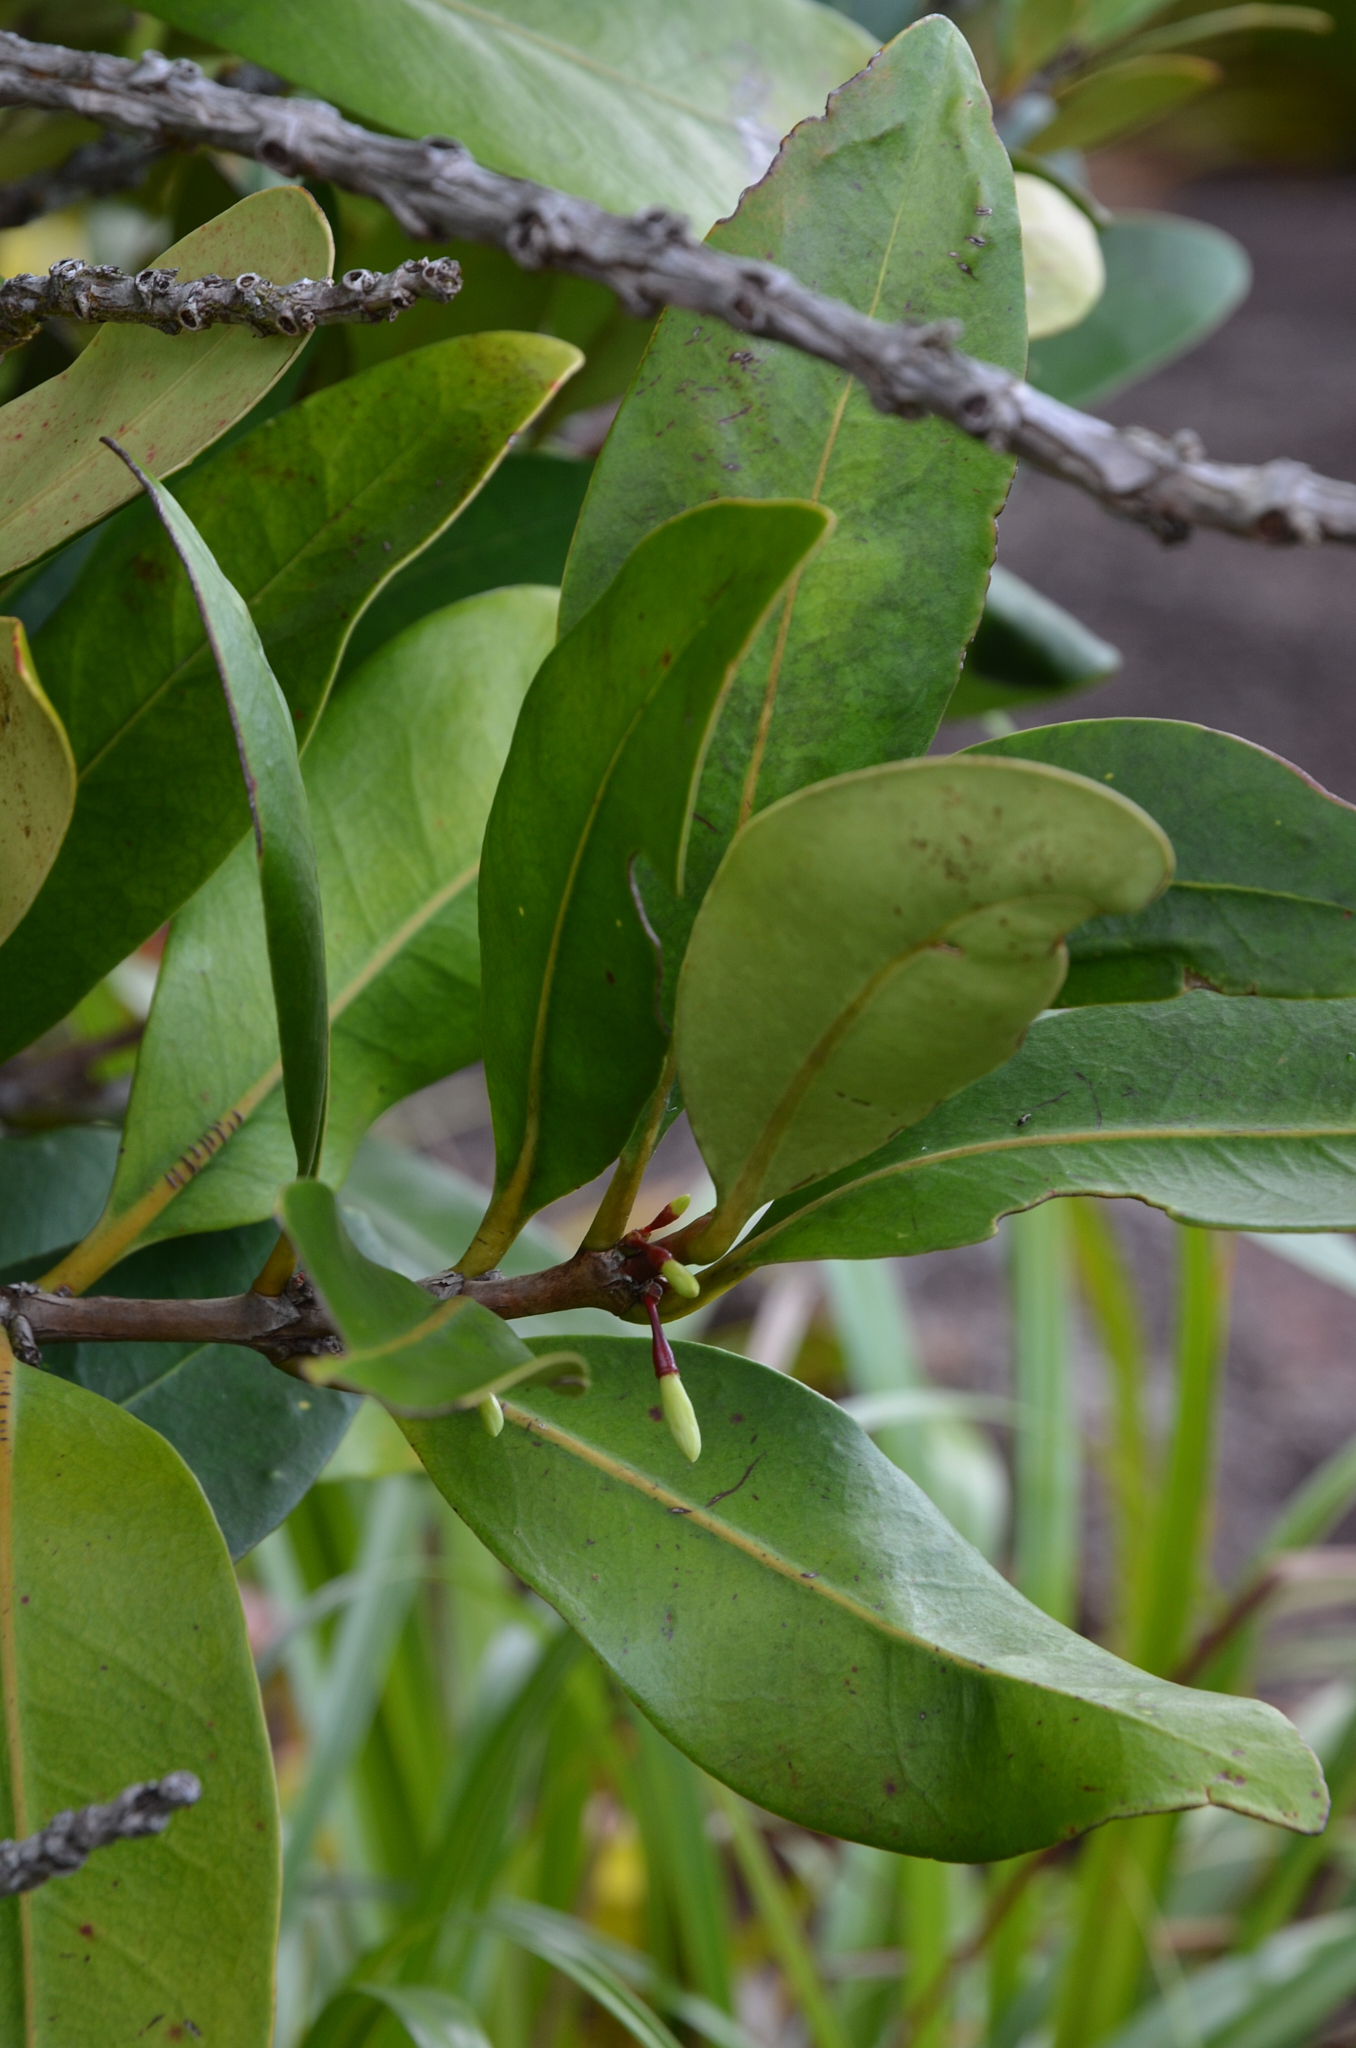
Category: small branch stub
[97,294]
[64,1844]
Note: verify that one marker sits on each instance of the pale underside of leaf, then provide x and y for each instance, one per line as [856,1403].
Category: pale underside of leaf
[37,778]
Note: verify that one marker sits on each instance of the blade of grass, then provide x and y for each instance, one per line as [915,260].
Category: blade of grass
[683,1866]
[1110,1297]
[365,1641]
[781,1924]
[1046,1452]
[925,1912]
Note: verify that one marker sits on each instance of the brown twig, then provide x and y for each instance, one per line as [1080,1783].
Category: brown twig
[295,1324]
[63,1845]
[437,191]
[100,293]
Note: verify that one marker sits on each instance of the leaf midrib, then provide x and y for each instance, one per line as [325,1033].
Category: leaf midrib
[743,1196]
[772,688]
[816,1585]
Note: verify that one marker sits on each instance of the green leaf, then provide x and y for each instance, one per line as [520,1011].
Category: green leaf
[400,927]
[647,104]
[517,530]
[52,1187]
[165,398]
[413,1351]
[253,1437]
[1263,901]
[553,1938]
[289,886]
[796,1615]
[885,202]
[1169,283]
[872,944]
[38,780]
[1112,104]
[1238,1115]
[604,769]
[147,1641]
[308,517]
[1026,649]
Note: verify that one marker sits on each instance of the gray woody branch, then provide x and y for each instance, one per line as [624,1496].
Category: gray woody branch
[63,1845]
[437,191]
[155,298]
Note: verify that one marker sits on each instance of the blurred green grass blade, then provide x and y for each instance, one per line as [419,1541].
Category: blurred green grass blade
[639,1972]
[288,880]
[1176,1560]
[1281,1894]
[497,1761]
[554,1938]
[1046,1546]
[786,1937]
[1110,1297]
[1275,1997]
[682,1862]
[431,2018]
[925,1902]
[364,1643]
[1120,1878]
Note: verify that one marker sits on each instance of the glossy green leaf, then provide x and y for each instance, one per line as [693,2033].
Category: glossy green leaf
[604,770]
[289,886]
[404,768]
[901,202]
[147,1641]
[1169,283]
[1026,649]
[871,945]
[52,1188]
[413,1351]
[164,398]
[1239,1115]
[1263,901]
[653,103]
[794,1613]
[517,530]
[1117,102]
[37,778]
[308,517]
[253,1437]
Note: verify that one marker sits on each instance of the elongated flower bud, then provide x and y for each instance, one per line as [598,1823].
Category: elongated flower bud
[491,1414]
[679,1279]
[679,1412]
[681,1416]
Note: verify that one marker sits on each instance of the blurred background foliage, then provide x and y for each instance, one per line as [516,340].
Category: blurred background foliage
[484,1841]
